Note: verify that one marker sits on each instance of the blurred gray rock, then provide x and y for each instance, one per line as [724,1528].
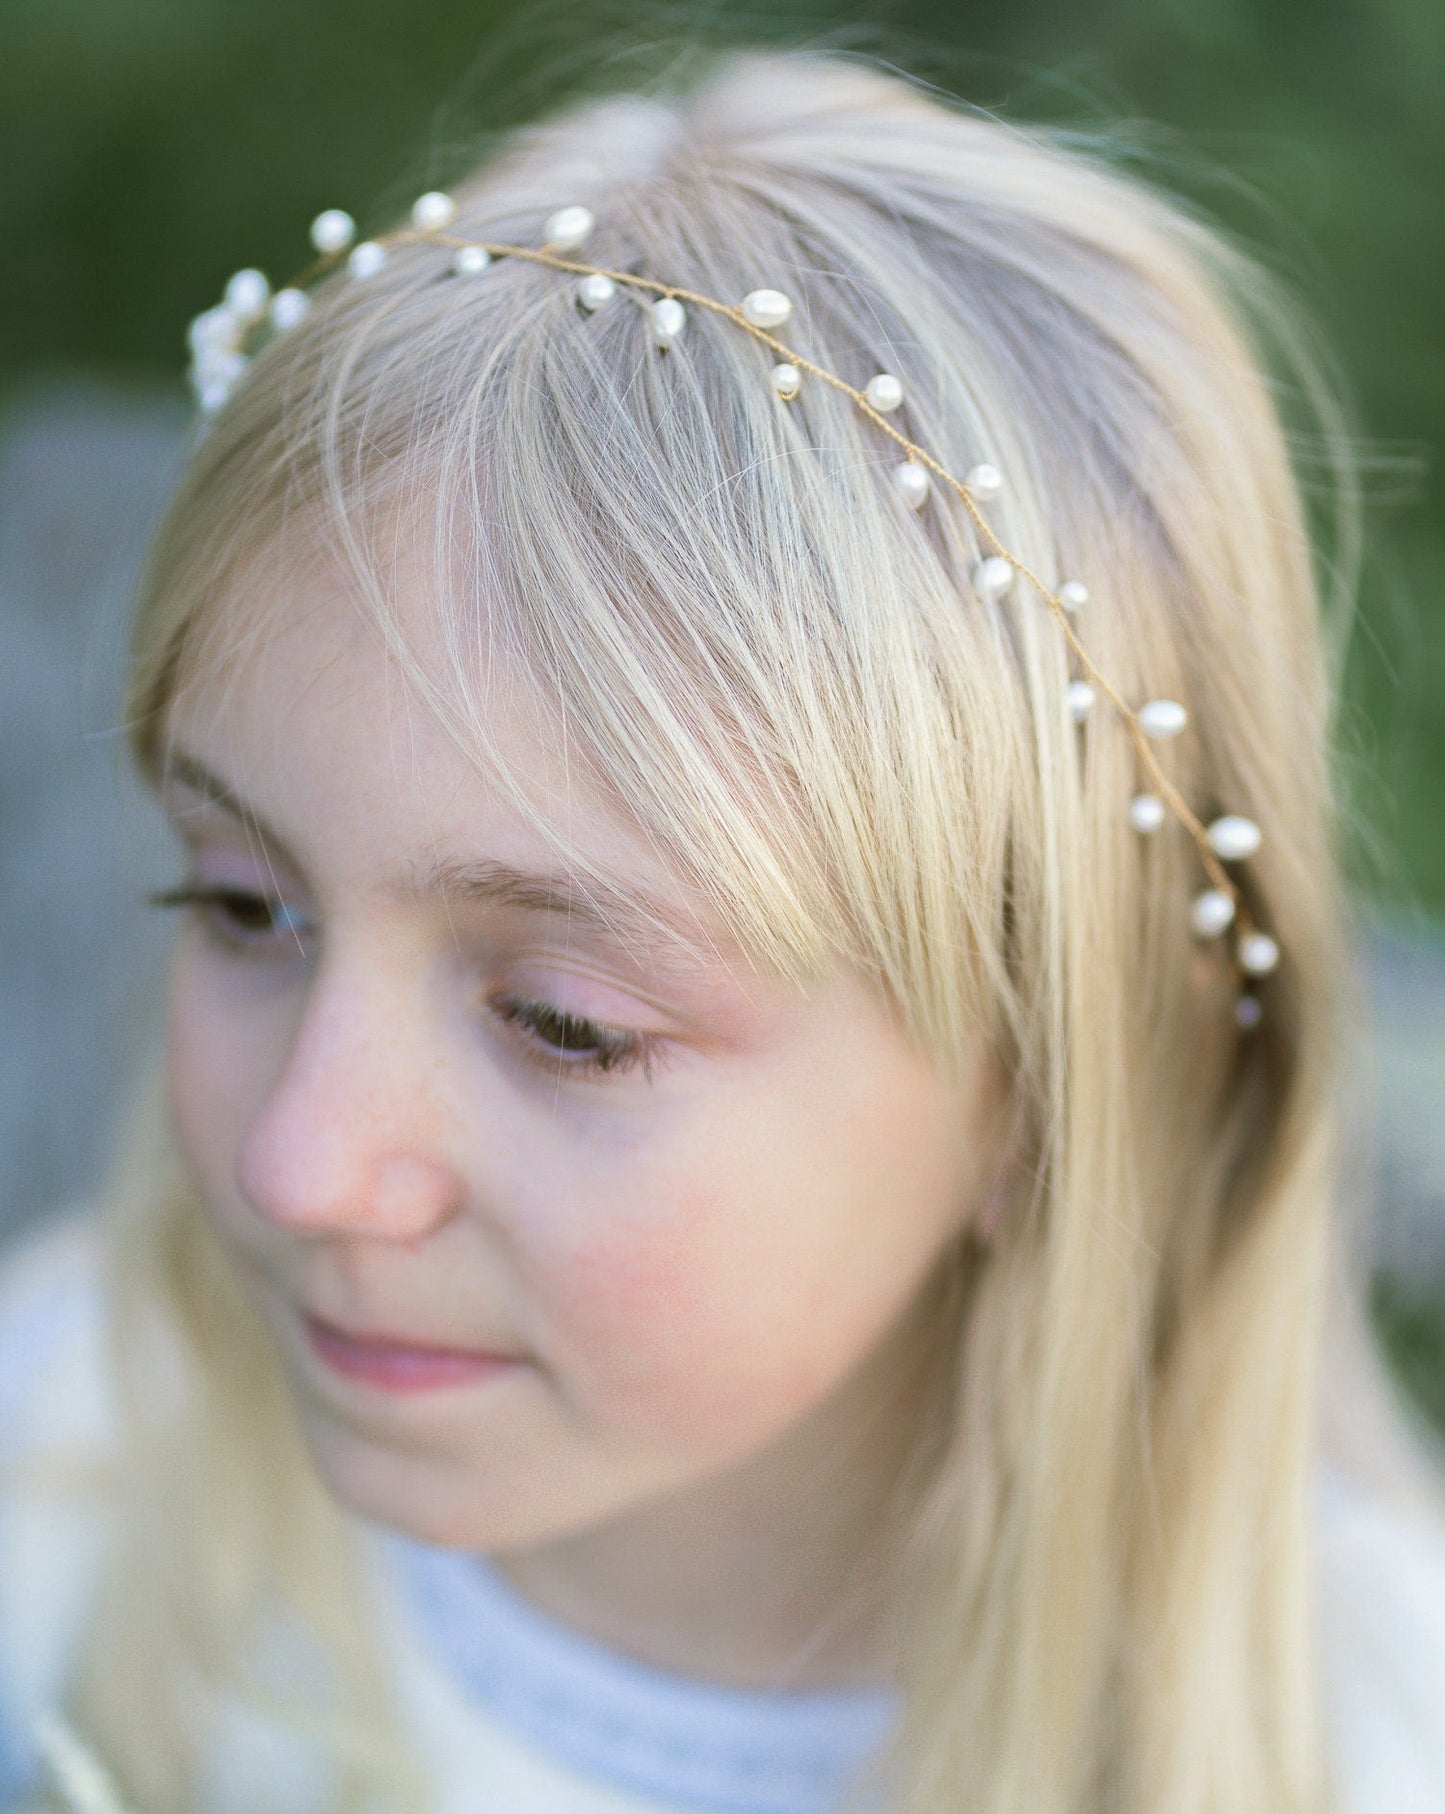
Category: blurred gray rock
[1405,1094]
[83,473]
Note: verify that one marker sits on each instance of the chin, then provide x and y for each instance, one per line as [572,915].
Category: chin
[441,1500]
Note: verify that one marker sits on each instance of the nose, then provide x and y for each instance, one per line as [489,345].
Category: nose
[350,1139]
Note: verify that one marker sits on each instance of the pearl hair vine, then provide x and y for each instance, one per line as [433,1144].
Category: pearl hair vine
[219,338]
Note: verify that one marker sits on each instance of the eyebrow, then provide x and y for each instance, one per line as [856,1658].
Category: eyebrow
[625,914]
[181,768]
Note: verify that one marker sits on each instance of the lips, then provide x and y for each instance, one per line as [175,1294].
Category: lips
[393,1364]
[397,1343]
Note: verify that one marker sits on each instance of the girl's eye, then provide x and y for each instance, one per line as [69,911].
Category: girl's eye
[568,1042]
[239,919]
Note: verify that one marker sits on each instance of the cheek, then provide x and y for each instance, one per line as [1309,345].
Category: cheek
[674,1326]
[719,1286]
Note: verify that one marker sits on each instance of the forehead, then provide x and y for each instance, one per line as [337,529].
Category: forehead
[292,661]
[404,766]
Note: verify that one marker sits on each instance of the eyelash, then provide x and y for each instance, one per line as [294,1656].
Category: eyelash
[603,1049]
[224,912]
[600,1049]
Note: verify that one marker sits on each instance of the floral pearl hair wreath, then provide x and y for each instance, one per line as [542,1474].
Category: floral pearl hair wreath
[218,339]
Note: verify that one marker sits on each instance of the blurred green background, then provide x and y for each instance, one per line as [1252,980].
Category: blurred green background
[153,146]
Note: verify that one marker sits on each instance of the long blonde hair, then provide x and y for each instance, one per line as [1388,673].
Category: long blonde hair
[787,681]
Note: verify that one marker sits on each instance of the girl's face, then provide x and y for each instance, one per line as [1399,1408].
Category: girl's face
[547,1226]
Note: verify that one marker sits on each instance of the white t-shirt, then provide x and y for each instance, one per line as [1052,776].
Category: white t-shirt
[515,1712]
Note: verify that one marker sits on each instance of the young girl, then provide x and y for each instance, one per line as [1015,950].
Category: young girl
[743,1199]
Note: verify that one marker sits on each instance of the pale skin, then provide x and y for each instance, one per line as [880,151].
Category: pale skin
[712,1273]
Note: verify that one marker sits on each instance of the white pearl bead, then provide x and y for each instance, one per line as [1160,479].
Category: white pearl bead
[1210,912]
[212,394]
[594,290]
[470,261]
[333,231]
[787,381]
[220,362]
[216,377]
[1146,812]
[432,210]
[287,308]
[669,318]
[984,481]
[1258,954]
[884,393]
[1162,718]
[1073,595]
[1081,700]
[567,228]
[247,294]
[1248,1012]
[766,308]
[1232,837]
[993,577]
[913,482]
[217,327]
[366,259]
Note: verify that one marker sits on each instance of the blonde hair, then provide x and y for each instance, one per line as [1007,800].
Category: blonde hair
[786,680]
